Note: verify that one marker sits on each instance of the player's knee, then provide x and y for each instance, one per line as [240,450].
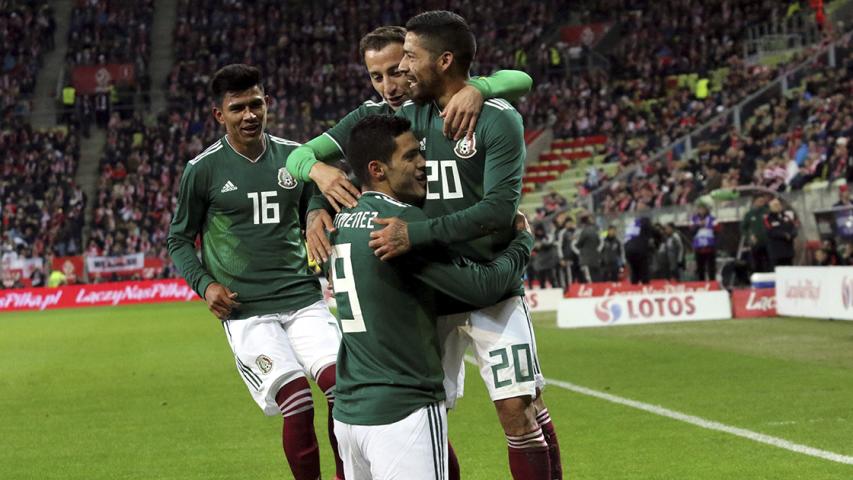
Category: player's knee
[538,403]
[326,381]
[516,415]
[294,397]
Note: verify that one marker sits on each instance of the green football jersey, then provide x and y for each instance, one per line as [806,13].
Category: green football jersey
[389,364]
[247,213]
[474,188]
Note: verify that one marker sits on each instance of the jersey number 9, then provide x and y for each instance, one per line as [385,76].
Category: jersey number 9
[343,281]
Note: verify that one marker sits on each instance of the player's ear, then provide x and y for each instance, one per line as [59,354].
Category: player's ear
[445,61]
[376,169]
[217,115]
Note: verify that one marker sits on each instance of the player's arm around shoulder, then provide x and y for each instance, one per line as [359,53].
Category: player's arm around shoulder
[478,284]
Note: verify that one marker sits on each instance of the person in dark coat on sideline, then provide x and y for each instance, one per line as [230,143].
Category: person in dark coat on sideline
[781,230]
[639,247]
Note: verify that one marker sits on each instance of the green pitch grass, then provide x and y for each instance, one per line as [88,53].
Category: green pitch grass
[151,392]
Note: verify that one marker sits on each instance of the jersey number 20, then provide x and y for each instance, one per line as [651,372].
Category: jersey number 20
[448,172]
[343,281]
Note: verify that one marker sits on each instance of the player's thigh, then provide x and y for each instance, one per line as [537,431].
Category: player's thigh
[412,448]
[314,336]
[265,359]
[454,341]
[505,349]
[356,466]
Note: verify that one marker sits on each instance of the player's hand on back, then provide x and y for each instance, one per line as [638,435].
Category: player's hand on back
[220,300]
[521,223]
[318,222]
[461,113]
[335,185]
[392,241]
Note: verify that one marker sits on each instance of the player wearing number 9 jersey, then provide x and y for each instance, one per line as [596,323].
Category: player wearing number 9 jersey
[389,413]
[238,195]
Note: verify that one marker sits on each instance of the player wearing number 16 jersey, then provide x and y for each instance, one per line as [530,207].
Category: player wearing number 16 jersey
[389,413]
[239,197]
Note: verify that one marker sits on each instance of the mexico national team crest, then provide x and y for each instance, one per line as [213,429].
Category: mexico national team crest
[285,179]
[264,363]
[465,148]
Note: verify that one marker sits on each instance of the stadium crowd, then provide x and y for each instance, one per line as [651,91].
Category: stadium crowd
[639,105]
[26,33]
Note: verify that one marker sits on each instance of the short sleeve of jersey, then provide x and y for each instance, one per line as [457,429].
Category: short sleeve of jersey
[340,132]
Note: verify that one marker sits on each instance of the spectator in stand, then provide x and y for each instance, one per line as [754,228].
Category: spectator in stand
[754,234]
[781,230]
[703,227]
[612,256]
[639,243]
[587,246]
[843,198]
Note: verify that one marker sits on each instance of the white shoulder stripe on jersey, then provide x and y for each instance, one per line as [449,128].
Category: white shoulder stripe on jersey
[497,104]
[336,142]
[408,102]
[387,198]
[205,153]
[371,103]
[504,102]
[284,141]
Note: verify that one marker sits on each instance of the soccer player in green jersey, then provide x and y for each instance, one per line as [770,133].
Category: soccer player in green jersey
[390,417]
[474,187]
[382,50]
[240,198]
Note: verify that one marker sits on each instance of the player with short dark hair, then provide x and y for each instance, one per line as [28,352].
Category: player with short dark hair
[244,204]
[390,417]
[382,50]
[474,187]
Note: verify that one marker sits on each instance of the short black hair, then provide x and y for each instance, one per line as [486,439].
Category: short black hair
[445,31]
[381,38]
[373,138]
[237,77]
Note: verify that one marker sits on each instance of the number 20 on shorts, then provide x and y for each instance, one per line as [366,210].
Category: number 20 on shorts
[516,351]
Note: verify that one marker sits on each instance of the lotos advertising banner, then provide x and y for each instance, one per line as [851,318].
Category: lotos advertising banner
[639,309]
[543,299]
[754,302]
[815,292]
[103,294]
[606,289]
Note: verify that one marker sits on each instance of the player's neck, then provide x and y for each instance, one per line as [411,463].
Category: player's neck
[451,87]
[382,188]
[251,150]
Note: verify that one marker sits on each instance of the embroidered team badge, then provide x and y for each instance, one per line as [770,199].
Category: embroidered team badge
[465,148]
[264,363]
[285,179]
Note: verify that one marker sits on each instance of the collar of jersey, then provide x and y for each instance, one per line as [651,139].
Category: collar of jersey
[385,196]
[263,139]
